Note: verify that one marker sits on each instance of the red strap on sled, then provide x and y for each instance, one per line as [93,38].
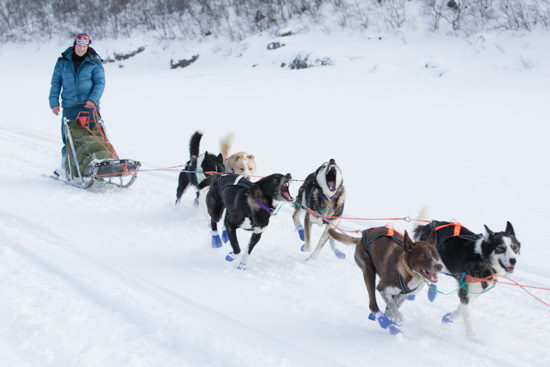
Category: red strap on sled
[83,119]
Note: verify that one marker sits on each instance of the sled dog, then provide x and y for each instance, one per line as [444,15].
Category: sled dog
[465,253]
[402,265]
[247,205]
[197,168]
[240,163]
[324,194]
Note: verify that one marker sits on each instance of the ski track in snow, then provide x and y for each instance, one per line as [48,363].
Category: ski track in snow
[124,278]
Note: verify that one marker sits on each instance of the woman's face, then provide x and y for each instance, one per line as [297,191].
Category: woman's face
[81,49]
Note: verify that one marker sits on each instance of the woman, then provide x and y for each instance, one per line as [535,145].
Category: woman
[79,78]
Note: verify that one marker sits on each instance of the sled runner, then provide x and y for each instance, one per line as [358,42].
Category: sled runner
[90,157]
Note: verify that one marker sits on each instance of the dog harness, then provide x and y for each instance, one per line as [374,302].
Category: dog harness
[446,230]
[367,242]
[242,182]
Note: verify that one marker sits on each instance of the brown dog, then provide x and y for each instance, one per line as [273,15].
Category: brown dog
[402,265]
[240,163]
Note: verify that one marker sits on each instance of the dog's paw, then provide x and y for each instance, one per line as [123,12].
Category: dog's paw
[225,236]
[196,203]
[310,259]
[241,266]
[216,241]
[447,318]
[301,233]
[339,254]
[411,297]
[230,256]
[432,292]
[383,320]
[394,329]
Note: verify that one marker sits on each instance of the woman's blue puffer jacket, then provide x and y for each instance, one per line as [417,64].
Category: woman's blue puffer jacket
[86,84]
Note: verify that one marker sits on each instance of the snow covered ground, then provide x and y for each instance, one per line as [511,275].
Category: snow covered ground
[124,278]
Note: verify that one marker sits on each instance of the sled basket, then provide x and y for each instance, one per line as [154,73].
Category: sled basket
[90,157]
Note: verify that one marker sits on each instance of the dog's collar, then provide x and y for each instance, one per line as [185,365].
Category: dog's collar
[323,196]
[265,207]
[411,272]
[402,284]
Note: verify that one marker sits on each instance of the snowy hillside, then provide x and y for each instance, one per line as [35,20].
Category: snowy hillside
[125,278]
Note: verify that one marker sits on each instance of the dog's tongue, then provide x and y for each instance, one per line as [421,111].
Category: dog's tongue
[509,269]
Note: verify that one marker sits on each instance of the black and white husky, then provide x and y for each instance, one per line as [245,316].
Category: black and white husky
[322,192]
[247,205]
[196,168]
[465,253]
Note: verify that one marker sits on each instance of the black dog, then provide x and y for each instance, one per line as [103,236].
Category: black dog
[465,253]
[248,206]
[322,192]
[196,168]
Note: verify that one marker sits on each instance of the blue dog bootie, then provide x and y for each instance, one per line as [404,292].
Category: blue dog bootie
[382,319]
[230,256]
[216,240]
[301,233]
[411,297]
[394,329]
[385,322]
[225,236]
[432,292]
[339,254]
[447,318]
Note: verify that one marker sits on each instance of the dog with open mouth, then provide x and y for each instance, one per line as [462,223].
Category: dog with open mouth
[467,254]
[247,205]
[402,265]
[322,193]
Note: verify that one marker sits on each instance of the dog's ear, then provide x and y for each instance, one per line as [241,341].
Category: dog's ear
[509,228]
[250,156]
[432,238]
[220,157]
[408,243]
[488,231]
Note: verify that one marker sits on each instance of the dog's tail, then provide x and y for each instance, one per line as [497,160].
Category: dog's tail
[226,143]
[194,144]
[344,238]
[421,231]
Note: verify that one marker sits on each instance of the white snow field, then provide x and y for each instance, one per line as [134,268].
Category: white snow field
[125,278]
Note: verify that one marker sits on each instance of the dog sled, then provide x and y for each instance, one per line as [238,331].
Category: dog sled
[90,158]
